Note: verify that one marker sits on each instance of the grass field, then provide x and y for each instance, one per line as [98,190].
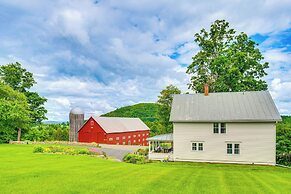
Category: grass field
[22,171]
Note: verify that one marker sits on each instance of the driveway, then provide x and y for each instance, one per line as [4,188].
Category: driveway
[118,151]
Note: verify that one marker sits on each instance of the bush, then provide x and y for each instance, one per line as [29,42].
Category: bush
[84,151]
[135,159]
[143,152]
[64,150]
[54,149]
[38,149]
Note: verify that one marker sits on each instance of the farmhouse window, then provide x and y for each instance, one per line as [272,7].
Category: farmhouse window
[229,148]
[236,148]
[197,146]
[215,127]
[219,128]
[233,148]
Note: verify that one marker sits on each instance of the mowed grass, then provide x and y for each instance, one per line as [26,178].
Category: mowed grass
[22,171]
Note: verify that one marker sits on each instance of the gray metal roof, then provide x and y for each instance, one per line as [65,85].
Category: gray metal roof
[120,124]
[255,106]
[163,137]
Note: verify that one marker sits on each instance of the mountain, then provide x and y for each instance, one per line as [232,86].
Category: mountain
[147,112]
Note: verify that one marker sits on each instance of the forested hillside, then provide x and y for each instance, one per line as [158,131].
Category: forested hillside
[147,112]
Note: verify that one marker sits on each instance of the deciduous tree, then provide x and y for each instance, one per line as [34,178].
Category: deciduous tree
[21,80]
[14,113]
[227,61]
[165,100]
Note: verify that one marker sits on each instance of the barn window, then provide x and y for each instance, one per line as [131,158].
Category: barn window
[134,135]
[142,134]
[123,137]
[91,123]
[138,140]
[197,146]
[110,139]
[219,128]
[129,137]
[123,143]
[117,138]
[139,135]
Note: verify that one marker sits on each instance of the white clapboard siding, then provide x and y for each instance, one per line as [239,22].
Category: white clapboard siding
[257,142]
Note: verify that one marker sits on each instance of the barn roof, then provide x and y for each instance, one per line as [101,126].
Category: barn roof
[120,124]
[255,106]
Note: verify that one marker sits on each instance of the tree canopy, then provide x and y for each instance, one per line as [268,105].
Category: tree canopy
[21,80]
[14,112]
[227,61]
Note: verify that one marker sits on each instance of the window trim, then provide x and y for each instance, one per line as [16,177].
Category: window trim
[218,128]
[196,145]
[234,151]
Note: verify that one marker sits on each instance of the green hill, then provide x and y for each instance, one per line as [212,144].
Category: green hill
[147,112]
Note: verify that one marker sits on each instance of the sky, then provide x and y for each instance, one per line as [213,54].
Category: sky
[100,55]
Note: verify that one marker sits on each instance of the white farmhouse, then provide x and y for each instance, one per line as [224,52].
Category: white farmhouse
[229,127]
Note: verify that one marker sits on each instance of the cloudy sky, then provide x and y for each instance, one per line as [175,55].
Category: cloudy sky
[104,54]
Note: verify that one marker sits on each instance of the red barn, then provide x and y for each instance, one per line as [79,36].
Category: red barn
[114,130]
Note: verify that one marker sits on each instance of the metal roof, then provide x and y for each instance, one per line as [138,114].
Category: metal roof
[120,124]
[255,106]
[163,137]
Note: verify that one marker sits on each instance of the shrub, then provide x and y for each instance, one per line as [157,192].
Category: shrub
[38,149]
[55,149]
[143,152]
[70,151]
[135,159]
[84,151]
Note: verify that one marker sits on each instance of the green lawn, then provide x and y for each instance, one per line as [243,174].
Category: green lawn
[22,171]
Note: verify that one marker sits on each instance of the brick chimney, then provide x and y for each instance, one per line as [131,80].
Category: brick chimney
[206,89]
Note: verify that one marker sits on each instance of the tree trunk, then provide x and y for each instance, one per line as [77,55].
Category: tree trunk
[19,134]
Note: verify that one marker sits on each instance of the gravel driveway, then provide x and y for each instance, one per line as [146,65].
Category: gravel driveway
[118,151]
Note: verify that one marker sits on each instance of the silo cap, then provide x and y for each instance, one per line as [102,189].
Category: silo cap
[77,111]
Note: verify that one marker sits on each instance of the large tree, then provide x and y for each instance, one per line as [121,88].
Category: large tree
[21,80]
[14,113]
[227,61]
[165,100]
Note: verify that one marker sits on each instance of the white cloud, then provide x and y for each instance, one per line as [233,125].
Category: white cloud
[113,53]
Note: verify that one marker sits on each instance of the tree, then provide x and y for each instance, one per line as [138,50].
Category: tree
[165,100]
[14,113]
[227,61]
[21,80]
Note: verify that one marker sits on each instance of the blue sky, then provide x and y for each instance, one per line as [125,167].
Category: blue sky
[101,55]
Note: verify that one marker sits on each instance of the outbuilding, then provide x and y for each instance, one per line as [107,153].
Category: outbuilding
[114,130]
